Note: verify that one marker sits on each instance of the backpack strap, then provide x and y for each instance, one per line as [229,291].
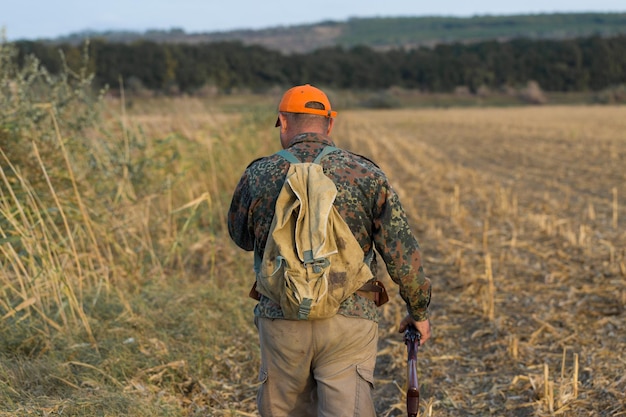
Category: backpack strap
[288,156]
[325,151]
[292,158]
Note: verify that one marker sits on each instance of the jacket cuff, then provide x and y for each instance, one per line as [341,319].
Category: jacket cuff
[420,316]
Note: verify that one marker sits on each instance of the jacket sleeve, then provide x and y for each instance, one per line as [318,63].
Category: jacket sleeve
[239,226]
[399,249]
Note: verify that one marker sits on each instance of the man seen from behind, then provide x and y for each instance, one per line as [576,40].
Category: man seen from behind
[325,367]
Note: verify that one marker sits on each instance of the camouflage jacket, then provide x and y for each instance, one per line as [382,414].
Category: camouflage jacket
[364,199]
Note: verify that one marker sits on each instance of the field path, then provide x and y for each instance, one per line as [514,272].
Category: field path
[521,214]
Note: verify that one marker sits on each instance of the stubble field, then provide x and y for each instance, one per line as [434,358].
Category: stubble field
[520,213]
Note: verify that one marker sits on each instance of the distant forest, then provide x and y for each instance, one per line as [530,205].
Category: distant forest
[583,64]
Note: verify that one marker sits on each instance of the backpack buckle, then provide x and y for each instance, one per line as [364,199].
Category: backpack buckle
[318,265]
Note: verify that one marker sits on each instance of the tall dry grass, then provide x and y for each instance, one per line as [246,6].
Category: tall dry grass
[115,261]
[98,267]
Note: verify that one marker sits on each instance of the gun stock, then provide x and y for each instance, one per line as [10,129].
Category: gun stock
[412,341]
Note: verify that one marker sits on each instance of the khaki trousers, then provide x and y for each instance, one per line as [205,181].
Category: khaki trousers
[317,368]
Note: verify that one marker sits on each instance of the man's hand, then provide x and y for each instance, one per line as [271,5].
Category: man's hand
[422,326]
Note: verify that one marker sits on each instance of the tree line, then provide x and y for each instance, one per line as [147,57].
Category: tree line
[583,64]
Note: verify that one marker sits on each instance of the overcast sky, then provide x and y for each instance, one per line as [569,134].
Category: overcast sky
[34,19]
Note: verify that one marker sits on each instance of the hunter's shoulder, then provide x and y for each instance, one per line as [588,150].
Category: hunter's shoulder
[266,165]
[359,164]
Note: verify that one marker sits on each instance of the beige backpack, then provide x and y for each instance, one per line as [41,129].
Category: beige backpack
[312,261]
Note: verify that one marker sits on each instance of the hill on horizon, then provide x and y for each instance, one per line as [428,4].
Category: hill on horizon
[387,32]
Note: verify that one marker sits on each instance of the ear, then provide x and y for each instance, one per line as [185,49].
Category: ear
[331,123]
[283,123]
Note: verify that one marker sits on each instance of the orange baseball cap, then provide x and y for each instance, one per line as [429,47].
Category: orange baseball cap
[296,99]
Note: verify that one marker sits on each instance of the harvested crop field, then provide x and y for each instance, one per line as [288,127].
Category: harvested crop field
[521,215]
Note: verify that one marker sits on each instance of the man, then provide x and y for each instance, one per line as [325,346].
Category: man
[326,367]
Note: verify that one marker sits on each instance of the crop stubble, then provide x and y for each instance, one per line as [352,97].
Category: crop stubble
[521,216]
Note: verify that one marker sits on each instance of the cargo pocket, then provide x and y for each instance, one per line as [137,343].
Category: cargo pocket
[364,403]
[366,374]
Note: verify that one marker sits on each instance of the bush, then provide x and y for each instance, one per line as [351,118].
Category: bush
[533,94]
[612,95]
[30,96]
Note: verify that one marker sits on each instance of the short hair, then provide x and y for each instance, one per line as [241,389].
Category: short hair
[302,120]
